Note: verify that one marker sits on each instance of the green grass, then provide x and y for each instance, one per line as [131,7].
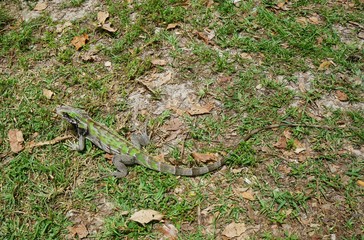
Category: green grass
[261,50]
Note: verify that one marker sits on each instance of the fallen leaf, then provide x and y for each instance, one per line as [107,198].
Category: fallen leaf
[302,20]
[319,40]
[324,65]
[107,27]
[287,133]
[16,140]
[314,20]
[146,216]
[281,143]
[234,230]
[159,157]
[124,213]
[246,56]
[285,169]
[173,135]
[108,156]
[360,183]
[88,57]
[159,62]
[248,195]
[224,79]
[40,6]
[79,229]
[210,33]
[299,150]
[282,5]
[102,16]
[47,93]
[333,168]
[61,27]
[172,26]
[361,34]
[202,36]
[205,157]
[198,110]
[169,231]
[178,111]
[80,41]
[209,3]
[342,96]
[173,124]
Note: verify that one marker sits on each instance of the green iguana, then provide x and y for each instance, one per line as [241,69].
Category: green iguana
[125,152]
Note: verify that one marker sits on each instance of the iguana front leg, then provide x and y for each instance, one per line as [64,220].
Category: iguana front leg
[80,146]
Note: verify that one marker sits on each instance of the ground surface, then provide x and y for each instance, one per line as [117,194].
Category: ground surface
[202,76]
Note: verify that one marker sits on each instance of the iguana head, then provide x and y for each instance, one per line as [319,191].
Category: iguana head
[75,116]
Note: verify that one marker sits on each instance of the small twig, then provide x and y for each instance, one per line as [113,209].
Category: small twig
[356,24]
[31,145]
[255,131]
[183,145]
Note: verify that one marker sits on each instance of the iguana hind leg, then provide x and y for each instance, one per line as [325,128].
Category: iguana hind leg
[139,140]
[120,162]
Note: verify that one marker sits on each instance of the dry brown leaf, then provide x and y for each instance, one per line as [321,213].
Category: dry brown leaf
[342,96]
[202,36]
[314,20]
[146,216]
[178,111]
[324,65]
[159,62]
[40,6]
[108,156]
[172,26]
[209,33]
[234,230]
[287,133]
[173,124]
[80,41]
[107,27]
[302,20]
[360,183]
[48,93]
[209,3]
[248,195]
[299,150]
[282,5]
[16,140]
[169,231]
[361,35]
[79,229]
[281,143]
[159,157]
[102,16]
[247,56]
[173,135]
[205,157]
[224,79]
[198,110]
[284,169]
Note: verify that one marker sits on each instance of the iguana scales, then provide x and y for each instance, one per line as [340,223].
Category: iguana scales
[125,152]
